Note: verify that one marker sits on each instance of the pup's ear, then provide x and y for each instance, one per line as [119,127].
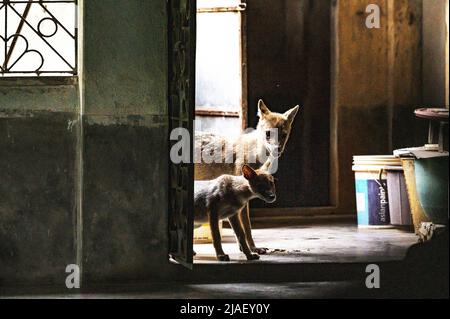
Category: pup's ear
[292,113]
[262,109]
[248,172]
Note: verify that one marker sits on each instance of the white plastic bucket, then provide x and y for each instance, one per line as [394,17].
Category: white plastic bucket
[372,199]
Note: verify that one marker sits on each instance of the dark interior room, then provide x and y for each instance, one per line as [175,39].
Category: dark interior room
[105,105]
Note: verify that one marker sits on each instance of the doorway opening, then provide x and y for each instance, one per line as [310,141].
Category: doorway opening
[279,52]
[280,70]
[220,100]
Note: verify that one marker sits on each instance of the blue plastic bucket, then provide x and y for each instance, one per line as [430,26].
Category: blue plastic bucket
[432,187]
[372,198]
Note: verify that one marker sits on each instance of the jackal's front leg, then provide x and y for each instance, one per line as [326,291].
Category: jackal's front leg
[236,224]
[244,215]
[215,233]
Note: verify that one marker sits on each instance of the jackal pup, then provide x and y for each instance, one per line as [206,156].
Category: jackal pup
[224,197]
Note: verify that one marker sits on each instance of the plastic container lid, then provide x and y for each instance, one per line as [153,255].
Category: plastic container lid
[377,160]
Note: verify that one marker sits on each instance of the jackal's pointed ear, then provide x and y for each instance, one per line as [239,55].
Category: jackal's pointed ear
[248,172]
[266,165]
[262,109]
[292,113]
[270,166]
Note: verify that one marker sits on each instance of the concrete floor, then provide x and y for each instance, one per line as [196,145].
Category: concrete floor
[292,290]
[343,243]
[293,248]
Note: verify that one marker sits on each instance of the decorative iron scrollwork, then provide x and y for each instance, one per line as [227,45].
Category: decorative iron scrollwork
[34,40]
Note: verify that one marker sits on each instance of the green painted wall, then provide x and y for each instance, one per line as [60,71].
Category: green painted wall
[39,131]
[125,136]
[125,60]
[123,143]
[60,98]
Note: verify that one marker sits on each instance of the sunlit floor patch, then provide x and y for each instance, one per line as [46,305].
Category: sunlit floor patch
[316,244]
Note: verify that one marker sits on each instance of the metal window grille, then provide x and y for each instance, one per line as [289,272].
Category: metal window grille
[38,37]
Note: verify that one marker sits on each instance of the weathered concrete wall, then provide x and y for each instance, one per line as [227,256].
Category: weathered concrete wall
[124,215]
[125,61]
[37,96]
[125,199]
[38,137]
[120,232]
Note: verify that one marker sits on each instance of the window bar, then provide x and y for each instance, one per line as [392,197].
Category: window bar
[204,111]
[6,33]
[16,35]
[9,50]
[75,70]
[51,47]
[56,20]
[238,8]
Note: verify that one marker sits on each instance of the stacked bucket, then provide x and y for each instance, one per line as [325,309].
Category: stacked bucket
[401,192]
[410,188]
[381,193]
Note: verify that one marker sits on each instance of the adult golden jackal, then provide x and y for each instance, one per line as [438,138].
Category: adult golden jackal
[216,155]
